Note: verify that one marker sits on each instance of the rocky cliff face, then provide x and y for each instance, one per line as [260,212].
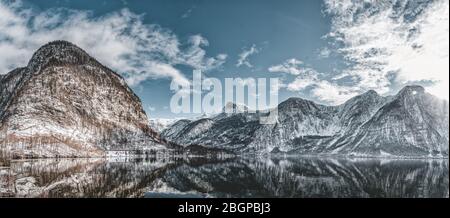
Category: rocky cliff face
[65,103]
[412,123]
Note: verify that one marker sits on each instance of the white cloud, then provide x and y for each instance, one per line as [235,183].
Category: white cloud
[392,43]
[324,52]
[332,92]
[323,90]
[292,66]
[385,44]
[308,79]
[222,57]
[301,83]
[305,76]
[119,40]
[244,56]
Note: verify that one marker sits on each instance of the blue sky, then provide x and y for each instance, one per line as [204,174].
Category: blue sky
[326,51]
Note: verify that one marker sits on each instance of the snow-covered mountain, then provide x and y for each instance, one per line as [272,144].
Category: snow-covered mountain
[411,123]
[159,124]
[65,103]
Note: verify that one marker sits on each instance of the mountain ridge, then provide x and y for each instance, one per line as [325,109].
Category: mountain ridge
[305,127]
[65,103]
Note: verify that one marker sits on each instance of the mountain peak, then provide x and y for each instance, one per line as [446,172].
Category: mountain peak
[371,92]
[411,90]
[66,94]
[231,107]
[297,102]
[59,43]
[295,99]
[58,52]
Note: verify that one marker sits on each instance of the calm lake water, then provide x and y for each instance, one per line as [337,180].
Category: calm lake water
[237,177]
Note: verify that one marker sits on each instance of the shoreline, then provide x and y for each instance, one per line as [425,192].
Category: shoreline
[240,156]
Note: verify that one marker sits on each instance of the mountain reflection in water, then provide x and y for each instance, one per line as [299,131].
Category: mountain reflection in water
[238,177]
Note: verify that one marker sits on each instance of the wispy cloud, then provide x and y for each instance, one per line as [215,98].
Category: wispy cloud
[324,52]
[309,80]
[188,13]
[292,66]
[245,54]
[385,45]
[305,76]
[120,40]
[391,43]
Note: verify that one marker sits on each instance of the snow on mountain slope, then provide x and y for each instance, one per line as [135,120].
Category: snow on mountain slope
[222,131]
[159,124]
[65,103]
[412,123]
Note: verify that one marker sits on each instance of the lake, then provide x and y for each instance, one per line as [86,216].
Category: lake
[255,177]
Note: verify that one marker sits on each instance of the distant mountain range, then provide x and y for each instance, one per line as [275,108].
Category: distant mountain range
[412,123]
[64,103]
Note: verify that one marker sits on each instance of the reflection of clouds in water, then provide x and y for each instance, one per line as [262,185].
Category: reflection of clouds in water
[247,177]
